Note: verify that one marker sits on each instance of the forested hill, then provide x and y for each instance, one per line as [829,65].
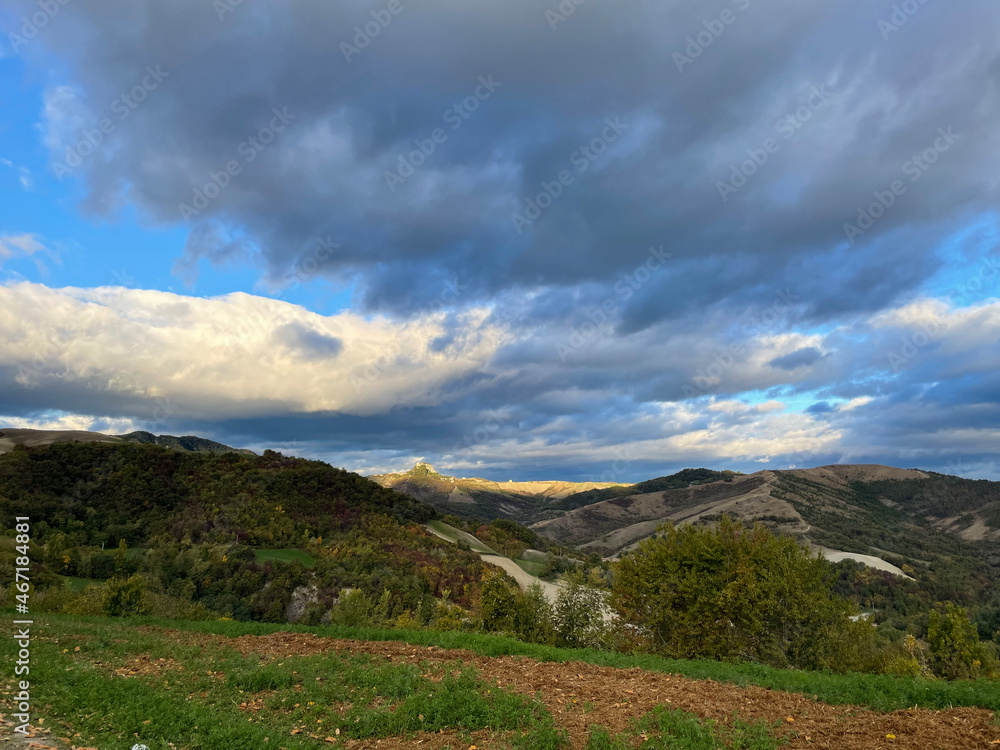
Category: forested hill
[206,534]
[103,493]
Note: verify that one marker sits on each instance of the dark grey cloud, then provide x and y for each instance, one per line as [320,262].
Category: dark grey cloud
[744,167]
[881,102]
[799,358]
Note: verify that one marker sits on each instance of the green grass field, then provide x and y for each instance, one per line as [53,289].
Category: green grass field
[531,566]
[284,555]
[110,682]
[879,692]
[450,532]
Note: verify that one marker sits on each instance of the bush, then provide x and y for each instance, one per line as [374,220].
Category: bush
[579,614]
[124,596]
[729,593]
[956,653]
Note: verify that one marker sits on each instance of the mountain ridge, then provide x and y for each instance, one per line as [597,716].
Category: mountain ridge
[14,436]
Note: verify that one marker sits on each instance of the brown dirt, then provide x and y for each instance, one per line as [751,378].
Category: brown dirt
[580,695]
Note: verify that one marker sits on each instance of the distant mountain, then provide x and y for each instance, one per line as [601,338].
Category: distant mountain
[474,498]
[903,539]
[185,443]
[685,478]
[835,506]
[10,437]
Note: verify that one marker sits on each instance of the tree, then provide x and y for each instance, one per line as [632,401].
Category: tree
[497,603]
[579,613]
[956,652]
[732,593]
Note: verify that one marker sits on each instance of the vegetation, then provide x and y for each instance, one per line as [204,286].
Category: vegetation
[124,530]
[205,694]
[680,480]
[886,519]
[676,730]
[249,537]
[735,594]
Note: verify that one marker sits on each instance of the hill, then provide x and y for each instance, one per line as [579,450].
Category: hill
[474,498]
[9,437]
[215,531]
[904,539]
[186,443]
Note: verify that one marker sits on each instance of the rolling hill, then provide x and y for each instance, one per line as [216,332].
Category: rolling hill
[219,531]
[10,437]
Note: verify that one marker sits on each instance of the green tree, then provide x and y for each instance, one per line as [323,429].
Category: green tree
[732,593]
[497,603]
[579,613]
[956,652]
[121,560]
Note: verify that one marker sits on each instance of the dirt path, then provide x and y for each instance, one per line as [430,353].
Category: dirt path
[580,695]
[524,579]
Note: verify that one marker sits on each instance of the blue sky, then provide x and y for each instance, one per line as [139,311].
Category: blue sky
[506,245]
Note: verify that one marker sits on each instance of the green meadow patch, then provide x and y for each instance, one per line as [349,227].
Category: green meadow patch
[284,555]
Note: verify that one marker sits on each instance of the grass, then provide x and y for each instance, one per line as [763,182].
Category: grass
[115,684]
[879,692]
[455,535]
[77,585]
[531,566]
[284,555]
[677,730]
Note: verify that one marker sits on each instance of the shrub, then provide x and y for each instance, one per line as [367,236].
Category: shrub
[579,614]
[731,593]
[955,650]
[124,596]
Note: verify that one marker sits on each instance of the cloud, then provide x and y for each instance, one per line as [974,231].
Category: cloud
[799,358]
[376,391]
[237,355]
[796,272]
[25,245]
[882,103]
[24,176]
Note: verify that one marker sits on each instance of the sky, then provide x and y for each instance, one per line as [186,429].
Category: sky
[582,240]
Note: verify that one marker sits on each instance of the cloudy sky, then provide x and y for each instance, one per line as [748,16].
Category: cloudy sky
[587,239]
